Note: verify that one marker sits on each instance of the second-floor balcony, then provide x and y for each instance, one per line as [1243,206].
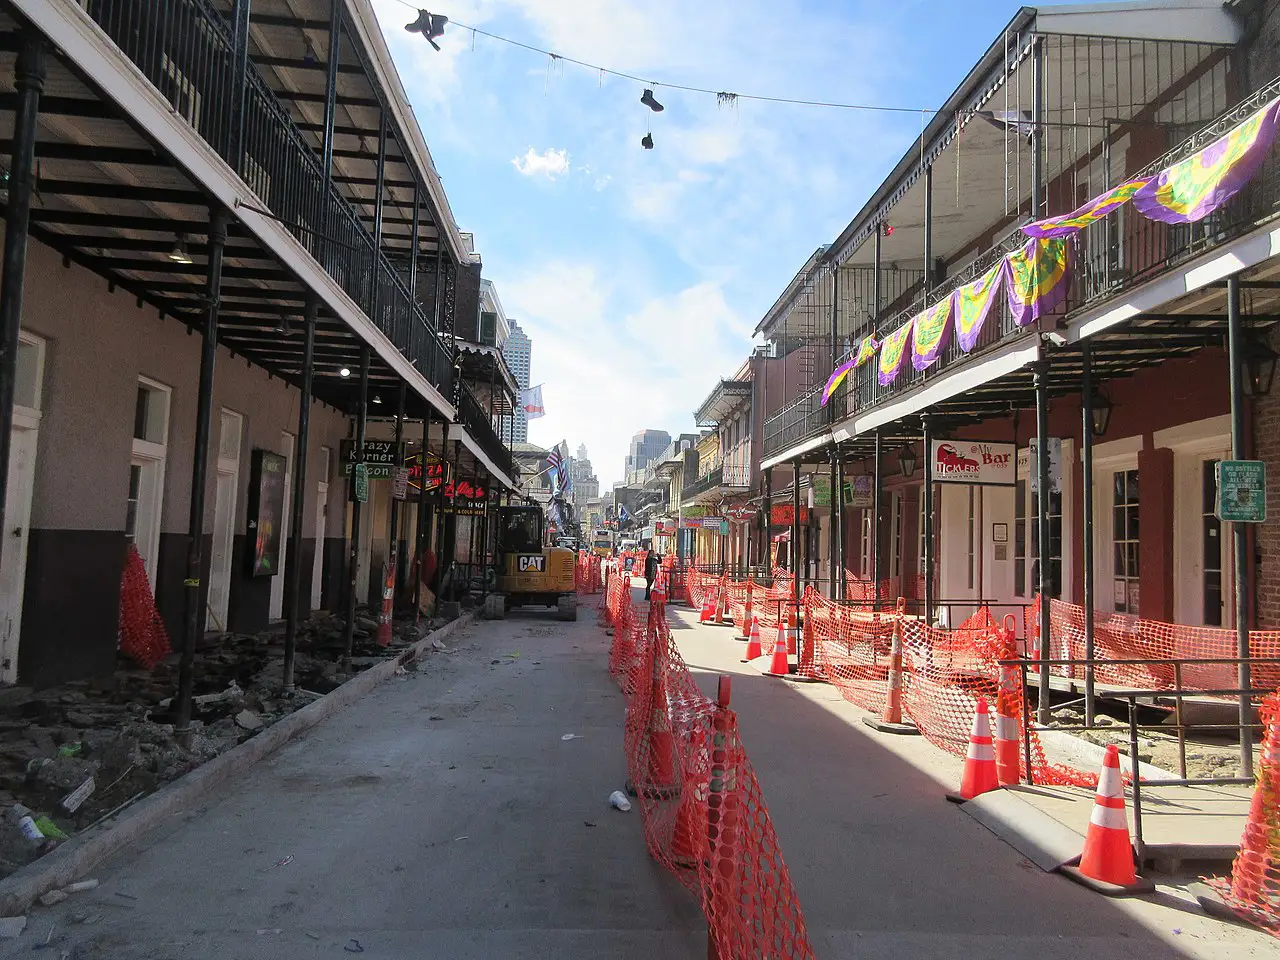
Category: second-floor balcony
[476,419]
[722,480]
[162,109]
[1113,262]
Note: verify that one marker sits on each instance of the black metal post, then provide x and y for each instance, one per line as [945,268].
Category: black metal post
[928,234]
[1041,370]
[795,536]
[415,245]
[331,85]
[927,423]
[1235,359]
[293,565]
[239,80]
[421,537]
[767,539]
[1086,458]
[393,519]
[444,503]
[837,524]
[379,195]
[193,605]
[29,79]
[362,413]
[875,521]
[1037,136]
[875,279]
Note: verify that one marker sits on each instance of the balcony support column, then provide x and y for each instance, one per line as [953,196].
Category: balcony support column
[927,284]
[875,523]
[29,79]
[331,86]
[394,545]
[193,595]
[875,280]
[927,423]
[362,411]
[837,523]
[422,546]
[1042,554]
[795,538]
[379,192]
[1086,460]
[1037,132]
[293,562]
[766,523]
[415,243]
[240,83]
[1235,358]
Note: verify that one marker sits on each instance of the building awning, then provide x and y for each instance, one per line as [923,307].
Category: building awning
[726,397]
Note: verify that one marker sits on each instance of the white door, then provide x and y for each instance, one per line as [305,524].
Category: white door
[277,581]
[317,562]
[1203,572]
[13,547]
[224,520]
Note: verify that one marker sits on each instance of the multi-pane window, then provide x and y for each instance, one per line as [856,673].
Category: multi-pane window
[1055,545]
[972,539]
[1124,538]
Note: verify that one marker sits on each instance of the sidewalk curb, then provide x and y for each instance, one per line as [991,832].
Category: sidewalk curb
[81,854]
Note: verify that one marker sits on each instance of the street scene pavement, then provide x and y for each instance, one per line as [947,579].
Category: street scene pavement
[461,811]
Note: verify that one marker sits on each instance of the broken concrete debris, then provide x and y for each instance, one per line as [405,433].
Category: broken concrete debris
[75,754]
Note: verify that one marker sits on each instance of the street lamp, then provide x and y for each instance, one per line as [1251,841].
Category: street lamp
[1259,366]
[907,460]
[1100,412]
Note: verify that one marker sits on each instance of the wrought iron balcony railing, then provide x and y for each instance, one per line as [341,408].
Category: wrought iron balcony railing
[473,416]
[703,484]
[186,49]
[1110,256]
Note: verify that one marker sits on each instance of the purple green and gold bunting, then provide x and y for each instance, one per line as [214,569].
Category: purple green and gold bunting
[929,336]
[1036,278]
[1193,188]
[892,349]
[866,350]
[836,378]
[971,304]
[1095,209]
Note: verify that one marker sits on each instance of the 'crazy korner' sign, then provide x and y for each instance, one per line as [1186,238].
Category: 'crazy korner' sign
[973,461]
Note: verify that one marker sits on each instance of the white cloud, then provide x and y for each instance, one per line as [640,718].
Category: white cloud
[550,163]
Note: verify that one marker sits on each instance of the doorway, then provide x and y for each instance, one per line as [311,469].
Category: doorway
[322,514]
[14,532]
[277,581]
[224,519]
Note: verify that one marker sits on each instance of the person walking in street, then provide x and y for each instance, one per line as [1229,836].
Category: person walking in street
[650,572]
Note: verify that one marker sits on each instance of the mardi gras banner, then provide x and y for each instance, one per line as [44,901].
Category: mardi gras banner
[1095,209]
[837,378]
[929,336]
[1036,278]
[971,304]
[866,350]
[1193,188]
[892,349]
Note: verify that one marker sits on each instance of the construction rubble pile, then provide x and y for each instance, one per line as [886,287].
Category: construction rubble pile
[74,755]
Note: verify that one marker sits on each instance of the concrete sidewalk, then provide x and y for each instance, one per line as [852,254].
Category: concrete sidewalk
[442,816]
[885,868]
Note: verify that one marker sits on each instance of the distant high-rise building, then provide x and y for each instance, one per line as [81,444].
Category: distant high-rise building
[645,445]
[518,351]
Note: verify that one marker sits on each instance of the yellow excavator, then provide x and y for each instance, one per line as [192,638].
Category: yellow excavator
[529,571]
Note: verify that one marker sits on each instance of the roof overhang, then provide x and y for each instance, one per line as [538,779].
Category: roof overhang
[726,397]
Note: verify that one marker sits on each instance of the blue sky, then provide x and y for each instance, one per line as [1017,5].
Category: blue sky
[640,274]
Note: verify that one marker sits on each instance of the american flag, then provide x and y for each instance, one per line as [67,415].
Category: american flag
[559,469]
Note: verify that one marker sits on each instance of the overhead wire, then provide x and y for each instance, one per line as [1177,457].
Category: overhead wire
[722,95]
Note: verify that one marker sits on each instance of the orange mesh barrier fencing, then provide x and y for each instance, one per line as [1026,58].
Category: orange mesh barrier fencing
[699,587]
[850,649]
[143,637]
[586,574]
[1253,890]
[862,590]
[944,672]
[1119,636]
[702,808]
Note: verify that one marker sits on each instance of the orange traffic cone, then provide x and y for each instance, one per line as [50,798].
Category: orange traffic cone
[688,842]
[980,762]
[1107,862]
[779,666]
[754,649]
[708,609]
[1008,764]
[792,631]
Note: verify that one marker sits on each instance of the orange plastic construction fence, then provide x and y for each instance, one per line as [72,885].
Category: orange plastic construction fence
[1253,889]
[1119,636]
[944,673]
[587,574]
[701,805]
[143,637]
